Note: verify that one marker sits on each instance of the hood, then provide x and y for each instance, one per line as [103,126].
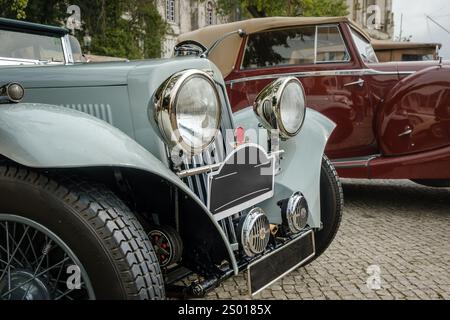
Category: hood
[98,74]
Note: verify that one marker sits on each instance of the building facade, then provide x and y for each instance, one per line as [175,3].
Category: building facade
[375,16]
[184,16]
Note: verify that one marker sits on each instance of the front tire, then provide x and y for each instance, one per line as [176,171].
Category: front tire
[332,206]
[114,254]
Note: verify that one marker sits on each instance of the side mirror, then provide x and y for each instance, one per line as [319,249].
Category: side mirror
[12,92]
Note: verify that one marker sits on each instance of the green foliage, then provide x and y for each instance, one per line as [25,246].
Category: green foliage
[13,8]
[284,7]
[130,29]
[324,8]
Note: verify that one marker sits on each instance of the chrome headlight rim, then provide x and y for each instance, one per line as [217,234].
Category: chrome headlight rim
[166,100]
[267,106]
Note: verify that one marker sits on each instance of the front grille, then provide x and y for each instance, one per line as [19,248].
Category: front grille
[216,153]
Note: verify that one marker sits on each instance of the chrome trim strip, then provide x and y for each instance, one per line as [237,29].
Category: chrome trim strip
[31,61]
[198,170]
[287,272]
[67,48]
[214,167]
[354,162]
[328,73]
[226,176]
[343,41]
[315,44]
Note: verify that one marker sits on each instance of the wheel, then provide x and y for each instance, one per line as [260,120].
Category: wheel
[332,206]
[167,244]
[433,183]
[65,238]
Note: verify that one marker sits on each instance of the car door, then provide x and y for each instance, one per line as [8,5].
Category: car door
[325,64]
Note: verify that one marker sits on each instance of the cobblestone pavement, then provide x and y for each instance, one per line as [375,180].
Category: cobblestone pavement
[399,226]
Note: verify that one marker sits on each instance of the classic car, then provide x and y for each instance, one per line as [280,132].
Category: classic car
[387,50]
[130,180]
[392,118]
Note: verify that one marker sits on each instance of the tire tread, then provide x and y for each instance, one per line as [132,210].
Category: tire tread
[114,224]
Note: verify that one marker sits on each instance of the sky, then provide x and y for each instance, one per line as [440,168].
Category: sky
[422,29]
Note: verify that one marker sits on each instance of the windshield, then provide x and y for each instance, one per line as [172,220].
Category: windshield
[19,45]
[364,47]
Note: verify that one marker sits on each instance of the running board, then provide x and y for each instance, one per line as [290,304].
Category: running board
[358,168]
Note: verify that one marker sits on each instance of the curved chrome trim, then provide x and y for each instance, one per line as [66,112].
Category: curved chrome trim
[267,106]
[165,109]
[328,73]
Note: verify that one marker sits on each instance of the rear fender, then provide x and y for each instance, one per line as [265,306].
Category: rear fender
[415,116]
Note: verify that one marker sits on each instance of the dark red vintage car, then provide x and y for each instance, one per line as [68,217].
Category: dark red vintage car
[393,118]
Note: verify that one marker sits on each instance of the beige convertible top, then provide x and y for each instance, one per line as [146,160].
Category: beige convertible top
[393,45]
[225,55]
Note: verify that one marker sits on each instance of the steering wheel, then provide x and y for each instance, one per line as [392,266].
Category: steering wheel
[189,47]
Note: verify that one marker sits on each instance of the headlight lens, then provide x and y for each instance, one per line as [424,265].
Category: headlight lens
[292,108]
[282,106]
[188,111]
[197,110]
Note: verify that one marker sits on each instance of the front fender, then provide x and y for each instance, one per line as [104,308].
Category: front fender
[52,137]
[300,165]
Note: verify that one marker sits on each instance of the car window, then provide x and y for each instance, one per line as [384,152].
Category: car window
[364,47]
[77,52]
[21,45]
[295,46]
[280,48]
[330,45]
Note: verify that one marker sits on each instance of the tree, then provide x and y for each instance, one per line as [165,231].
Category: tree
[13,8]
[131,29]
[262,8]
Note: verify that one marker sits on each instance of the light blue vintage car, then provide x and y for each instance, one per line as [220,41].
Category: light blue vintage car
[118,180]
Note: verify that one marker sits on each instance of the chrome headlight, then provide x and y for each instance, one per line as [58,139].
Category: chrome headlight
[188,111]
[282,105]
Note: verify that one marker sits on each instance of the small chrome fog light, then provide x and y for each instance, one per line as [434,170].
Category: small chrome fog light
[294,212]
[254,232]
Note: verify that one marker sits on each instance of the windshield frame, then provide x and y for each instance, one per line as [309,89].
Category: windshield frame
[357,36]
[65,46]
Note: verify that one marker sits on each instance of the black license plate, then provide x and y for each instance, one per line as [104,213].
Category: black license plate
[280,263]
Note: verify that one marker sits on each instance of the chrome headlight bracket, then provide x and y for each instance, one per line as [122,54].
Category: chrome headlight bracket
[267,106]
